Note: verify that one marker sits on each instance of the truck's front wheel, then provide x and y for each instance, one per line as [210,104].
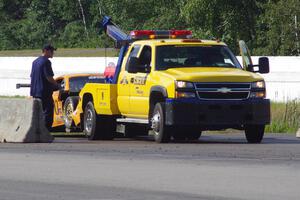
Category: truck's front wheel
[161,131]
[254,133]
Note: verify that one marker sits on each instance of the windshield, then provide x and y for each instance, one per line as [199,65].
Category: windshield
[172,56]
[77,83]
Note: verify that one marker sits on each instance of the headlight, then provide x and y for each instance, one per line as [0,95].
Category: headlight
[258,94]
[185,95]
[258,84]
[258,89]
[184,84]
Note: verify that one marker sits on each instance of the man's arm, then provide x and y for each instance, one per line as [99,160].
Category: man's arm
[53,82]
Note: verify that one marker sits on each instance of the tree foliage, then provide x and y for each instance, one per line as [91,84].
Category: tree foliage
[270,27]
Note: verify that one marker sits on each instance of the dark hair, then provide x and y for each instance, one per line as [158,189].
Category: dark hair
[48,47]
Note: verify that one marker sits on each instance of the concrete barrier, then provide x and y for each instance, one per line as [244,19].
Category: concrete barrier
[21,121]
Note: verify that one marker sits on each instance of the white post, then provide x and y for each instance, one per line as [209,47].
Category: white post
[296,34]
[83,18]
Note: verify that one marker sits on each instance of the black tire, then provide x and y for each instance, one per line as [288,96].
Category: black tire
[178,134]
[194,134]
[178,137]
[254,133]
[69,107]
[90,127]
[97,127]
[161,131]
[183,133]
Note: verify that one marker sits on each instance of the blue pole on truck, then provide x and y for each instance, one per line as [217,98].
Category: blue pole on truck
[114,32]
[121,42]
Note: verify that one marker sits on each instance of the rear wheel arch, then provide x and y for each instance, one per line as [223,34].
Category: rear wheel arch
[88,97]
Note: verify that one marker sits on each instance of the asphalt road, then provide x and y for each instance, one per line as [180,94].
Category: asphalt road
[217,167]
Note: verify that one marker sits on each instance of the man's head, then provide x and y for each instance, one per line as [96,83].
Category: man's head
[48,50]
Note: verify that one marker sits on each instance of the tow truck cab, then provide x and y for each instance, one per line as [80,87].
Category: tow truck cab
[178,87]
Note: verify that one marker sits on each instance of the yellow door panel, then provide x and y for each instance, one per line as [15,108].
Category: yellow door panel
[123,92]
[58,110]
[139,103]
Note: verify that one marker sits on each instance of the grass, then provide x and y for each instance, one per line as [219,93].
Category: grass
[285,117]
[61,52]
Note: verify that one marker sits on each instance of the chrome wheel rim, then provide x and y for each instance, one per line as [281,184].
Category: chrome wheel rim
[156,123]
[68,115]
[89,122]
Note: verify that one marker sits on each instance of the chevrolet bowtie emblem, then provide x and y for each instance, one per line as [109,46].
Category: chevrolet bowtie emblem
[224,90]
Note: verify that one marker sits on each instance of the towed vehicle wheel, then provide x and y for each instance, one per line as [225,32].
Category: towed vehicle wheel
[161,131]
[69,108]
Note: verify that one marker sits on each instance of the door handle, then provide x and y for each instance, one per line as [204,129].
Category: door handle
[131,80]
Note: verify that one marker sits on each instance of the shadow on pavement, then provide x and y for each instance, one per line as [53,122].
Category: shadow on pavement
[207,138]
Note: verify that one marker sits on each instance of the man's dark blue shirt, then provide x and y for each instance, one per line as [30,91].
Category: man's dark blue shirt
[40,86]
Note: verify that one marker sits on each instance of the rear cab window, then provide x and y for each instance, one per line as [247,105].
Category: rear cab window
[77,83]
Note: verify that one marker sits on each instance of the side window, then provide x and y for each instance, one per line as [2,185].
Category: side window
[133,53]
[145,57]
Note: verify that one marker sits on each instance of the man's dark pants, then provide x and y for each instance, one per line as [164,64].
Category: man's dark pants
[48,106]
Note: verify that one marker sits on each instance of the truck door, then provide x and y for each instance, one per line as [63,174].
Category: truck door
[139,92]
[124,82]
[57,113]
[246,57]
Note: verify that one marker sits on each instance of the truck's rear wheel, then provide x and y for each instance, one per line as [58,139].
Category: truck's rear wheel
[254,133]
[90,122]
[69,108]
[97,127]
[161,131]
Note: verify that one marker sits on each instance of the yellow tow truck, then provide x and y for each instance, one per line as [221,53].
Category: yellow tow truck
[176,86]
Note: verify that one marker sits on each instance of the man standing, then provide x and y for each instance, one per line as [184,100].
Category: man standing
[43,84]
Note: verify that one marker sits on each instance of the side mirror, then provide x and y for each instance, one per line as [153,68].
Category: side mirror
[263,64]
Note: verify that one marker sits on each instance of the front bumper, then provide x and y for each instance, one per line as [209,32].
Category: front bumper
[217,113]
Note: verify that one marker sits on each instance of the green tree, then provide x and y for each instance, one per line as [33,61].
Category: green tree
[279,28]
[270,27]
[228,20]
